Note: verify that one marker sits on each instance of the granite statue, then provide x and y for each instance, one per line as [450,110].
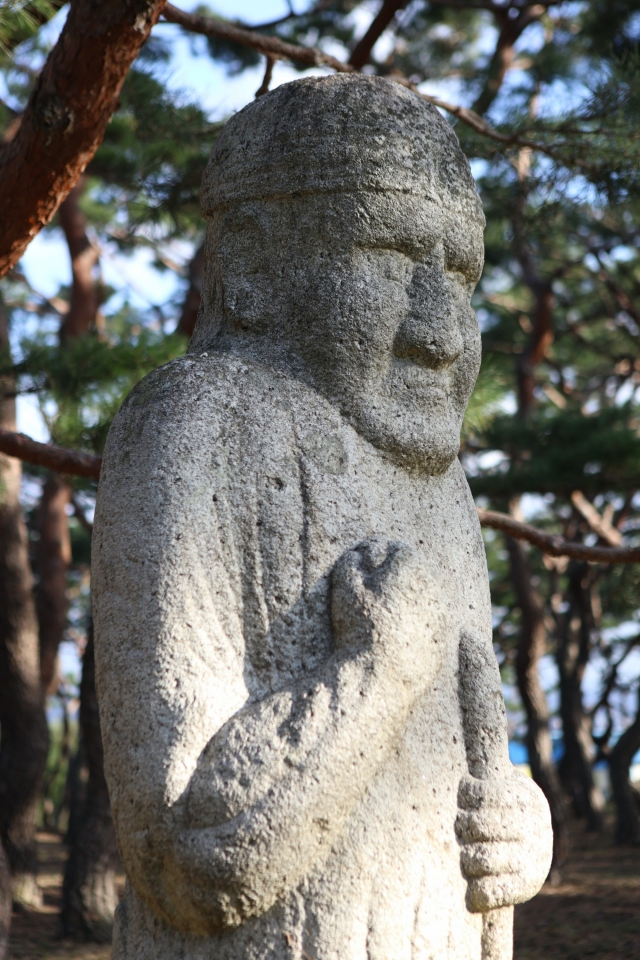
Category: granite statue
[304,732]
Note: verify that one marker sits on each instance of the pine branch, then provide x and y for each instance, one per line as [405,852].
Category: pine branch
[313,57]
[49,455]
[555,546]
[19,21]
[362,50]
[270,46]
[598,524]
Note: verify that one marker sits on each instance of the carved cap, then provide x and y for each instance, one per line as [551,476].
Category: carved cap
[335,134]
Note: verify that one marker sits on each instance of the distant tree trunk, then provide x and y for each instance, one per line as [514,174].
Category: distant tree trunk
[54,548]
[191,303]
[85,300]
[23,728]
[531,647]
[5,904]
[624,795]
[54,557]
[572,657]
[89,893]
[362,50]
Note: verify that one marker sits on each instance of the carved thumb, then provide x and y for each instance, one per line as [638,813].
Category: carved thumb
[361,579]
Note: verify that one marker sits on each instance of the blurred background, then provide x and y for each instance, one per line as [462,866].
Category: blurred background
[550,119]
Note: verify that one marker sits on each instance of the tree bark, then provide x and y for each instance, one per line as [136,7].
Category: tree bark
[532,646]
[572,657]
[49,455]
[54,557]
[24,736]
[5,904]
[624,795]
[64,122]
[509,30]
[539,342]
[83,308]
[89,892]
[54,548]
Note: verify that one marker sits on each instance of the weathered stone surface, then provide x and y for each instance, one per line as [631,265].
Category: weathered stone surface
[304,734]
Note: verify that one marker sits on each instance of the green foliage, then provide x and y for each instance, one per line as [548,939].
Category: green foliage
[20,19]
[485,401]
[88,378]
[150,163]
[558,451]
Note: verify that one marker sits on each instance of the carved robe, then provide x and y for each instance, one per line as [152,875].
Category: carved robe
[228,491]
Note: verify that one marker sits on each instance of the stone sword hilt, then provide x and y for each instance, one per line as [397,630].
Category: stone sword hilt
[487,748]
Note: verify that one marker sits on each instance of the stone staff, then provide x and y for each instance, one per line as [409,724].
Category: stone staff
[486,744]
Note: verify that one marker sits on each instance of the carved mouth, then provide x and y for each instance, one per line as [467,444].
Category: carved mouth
[429,384]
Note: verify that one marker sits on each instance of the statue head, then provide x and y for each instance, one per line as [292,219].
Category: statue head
[344,243]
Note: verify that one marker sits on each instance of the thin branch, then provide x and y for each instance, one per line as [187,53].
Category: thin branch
[362,50]
[313,57]
[556,546]
[273,46]
[60,459]
[268,74]
[292,15]
[476,123]
[612,678]
[598,524]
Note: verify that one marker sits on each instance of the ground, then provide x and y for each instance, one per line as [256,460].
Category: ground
[594,913]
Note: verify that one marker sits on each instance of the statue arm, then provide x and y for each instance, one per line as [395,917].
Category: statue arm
[276,783]
[504,825]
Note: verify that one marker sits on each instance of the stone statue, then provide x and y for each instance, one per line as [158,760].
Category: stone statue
[303,728]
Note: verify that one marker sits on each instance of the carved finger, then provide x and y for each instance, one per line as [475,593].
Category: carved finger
[488,893]
[489,825]
[512,792]
[492,859]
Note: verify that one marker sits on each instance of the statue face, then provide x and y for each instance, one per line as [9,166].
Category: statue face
[368,297]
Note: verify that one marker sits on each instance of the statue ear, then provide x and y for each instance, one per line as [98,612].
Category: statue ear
[245,270]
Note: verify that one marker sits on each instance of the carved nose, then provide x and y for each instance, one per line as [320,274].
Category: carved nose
[430,335]
[429,342]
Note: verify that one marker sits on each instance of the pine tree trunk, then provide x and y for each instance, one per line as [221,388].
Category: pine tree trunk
[24,736]
[572,658]
[624,795]
[54,548]
[85,299]
[54,557]
[532,646]
[89,894]
[5,904]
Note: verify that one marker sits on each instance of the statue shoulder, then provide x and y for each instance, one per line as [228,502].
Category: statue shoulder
[183,412]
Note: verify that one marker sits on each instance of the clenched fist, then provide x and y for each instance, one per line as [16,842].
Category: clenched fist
[504,828]
[384,597]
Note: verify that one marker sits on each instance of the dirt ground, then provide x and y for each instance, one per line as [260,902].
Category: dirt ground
[594,913]
[35,934]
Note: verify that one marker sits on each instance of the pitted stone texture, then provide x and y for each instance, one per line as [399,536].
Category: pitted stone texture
[335,134]
[304,737]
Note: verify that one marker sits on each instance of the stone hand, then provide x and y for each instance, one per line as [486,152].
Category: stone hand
[384,597]
[504,828]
